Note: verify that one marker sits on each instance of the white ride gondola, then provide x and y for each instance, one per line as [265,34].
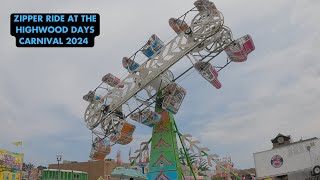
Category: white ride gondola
[130,65]
[146,117]
[153,46]
[179,26]
[239,50]
[208,72]
[100,149]
[112,80]
[173,97]
[204,5]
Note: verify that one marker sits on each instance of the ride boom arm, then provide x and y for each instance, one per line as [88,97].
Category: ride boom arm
[133,83]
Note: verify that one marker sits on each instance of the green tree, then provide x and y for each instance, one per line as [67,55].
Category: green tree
[202,167]
[202,164]
[183,159]
[29,166]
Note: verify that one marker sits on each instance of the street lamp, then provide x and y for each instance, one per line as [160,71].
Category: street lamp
[59,157]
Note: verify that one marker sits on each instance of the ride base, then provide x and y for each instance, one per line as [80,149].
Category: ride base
[164,158]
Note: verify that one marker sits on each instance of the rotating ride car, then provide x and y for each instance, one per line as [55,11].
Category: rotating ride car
[124,132]
[100,149]
[91,96]
[207,71]
[153,46]
[130,65]
[146,117]
[112,80]
[239,50]
[173,97]
[179,26]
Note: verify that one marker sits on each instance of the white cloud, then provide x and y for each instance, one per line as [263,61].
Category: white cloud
[276,90]
[282,92]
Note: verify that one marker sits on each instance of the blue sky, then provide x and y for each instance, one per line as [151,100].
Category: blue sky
[276,90]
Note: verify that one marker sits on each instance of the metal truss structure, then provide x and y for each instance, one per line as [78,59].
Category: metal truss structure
[112,102]
[208,39]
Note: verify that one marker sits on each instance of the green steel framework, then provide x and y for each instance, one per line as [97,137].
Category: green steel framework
[53,174]
[164,158]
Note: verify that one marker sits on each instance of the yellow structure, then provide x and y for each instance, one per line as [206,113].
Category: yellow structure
[7,175]
[12,161]
[11,165]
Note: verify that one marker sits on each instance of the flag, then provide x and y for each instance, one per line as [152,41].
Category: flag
[17,143]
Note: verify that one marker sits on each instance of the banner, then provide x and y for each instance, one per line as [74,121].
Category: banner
[10,161]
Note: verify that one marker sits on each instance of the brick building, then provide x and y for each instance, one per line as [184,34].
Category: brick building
[95,169]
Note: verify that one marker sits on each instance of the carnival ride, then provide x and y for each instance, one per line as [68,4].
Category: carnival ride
[116,100]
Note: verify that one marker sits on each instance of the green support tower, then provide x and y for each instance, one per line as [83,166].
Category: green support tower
[164,162]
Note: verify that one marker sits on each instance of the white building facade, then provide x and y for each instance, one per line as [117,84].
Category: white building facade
[289,160]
